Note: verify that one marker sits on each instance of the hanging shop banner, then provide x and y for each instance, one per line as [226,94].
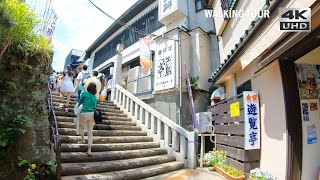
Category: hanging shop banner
[251,120]
[164,77]
[145,55]
[51,24]
[306,81]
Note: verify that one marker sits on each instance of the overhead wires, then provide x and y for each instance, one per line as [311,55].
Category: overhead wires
[137,30]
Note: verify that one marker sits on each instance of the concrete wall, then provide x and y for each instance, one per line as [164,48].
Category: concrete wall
[168,105]
[273,120]
[233,29]
[268,84]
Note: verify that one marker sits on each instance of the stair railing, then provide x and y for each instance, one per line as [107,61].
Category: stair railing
[55,134]
[178,141]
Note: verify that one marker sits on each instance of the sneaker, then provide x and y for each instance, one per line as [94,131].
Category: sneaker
[61,105]
[66,110]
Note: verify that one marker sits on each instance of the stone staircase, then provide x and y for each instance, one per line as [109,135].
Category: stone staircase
[120,149]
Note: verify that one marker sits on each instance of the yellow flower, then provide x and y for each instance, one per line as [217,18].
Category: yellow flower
[33,166]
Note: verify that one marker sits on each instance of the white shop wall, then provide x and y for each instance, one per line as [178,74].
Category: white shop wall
[308,76]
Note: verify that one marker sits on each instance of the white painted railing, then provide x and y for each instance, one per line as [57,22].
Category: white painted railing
[170,135]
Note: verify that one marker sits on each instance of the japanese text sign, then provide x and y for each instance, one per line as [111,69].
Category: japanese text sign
[166,6]
[251,120]
[51,24]
[164,77]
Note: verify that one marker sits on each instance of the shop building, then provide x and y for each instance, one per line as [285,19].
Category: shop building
[72,59]
[283,68]
[165,22]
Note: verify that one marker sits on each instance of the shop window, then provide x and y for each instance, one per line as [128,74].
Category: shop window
[227,4]
[244,87]
[201,5]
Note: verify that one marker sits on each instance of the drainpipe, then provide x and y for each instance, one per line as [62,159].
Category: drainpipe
[234,84]
[180,77]
[188,14]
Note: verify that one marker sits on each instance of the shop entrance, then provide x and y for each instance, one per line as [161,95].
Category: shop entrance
[300,69]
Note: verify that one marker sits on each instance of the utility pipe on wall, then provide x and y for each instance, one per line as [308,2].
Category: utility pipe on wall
[234,85]
[180,78]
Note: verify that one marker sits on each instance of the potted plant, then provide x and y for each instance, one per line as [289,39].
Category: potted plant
[258,174]
[217,159]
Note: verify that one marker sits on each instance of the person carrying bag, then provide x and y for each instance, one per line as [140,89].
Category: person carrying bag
[88,101]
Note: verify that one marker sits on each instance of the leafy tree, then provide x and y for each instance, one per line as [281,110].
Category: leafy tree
[18,28]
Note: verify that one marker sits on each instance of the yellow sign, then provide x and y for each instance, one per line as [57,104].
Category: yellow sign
[235,109]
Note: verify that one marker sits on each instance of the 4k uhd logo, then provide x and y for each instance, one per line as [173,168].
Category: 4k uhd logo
[295,19]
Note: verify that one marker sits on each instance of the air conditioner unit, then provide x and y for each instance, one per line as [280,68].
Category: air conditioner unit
[204,120]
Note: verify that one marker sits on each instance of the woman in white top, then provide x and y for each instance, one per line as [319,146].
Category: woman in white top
[66,87]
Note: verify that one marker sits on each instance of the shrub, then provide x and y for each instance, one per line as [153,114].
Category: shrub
[214,158]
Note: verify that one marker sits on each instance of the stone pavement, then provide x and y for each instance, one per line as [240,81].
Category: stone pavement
[189,174]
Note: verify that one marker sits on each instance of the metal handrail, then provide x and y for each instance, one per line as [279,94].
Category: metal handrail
[55,133]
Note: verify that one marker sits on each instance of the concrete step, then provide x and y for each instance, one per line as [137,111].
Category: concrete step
[72,132]
[109,147]
[130,174]
[106,140]
[60,112]
[74,102]
[106,166]
[99,106]
[110,118]
[103,110]
[108,122]
[74,98]
[110,155]
[101,126]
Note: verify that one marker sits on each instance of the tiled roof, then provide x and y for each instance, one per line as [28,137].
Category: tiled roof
[239,43]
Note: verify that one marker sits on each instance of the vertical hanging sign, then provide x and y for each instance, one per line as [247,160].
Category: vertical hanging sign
[50,26]
[164,77]
[251,120]
[145,56]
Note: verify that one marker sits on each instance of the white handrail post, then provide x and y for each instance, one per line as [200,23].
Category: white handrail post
[192,145]
[117,74]
[127,105]
[131,107]
[183,146]
[167,135]
[160,129]
[153,124]
[175,141]
[136,109]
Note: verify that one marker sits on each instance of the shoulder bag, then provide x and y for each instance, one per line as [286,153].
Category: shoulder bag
[97,114]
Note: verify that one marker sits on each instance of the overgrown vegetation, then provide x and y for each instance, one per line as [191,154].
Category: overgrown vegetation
[25,65]
[36,171]
[12,124]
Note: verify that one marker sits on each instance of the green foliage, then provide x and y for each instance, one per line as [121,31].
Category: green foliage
[194,82]
[215,158]
[34,171]
[19,33]
[218,159]
[12,124]
[232,171]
